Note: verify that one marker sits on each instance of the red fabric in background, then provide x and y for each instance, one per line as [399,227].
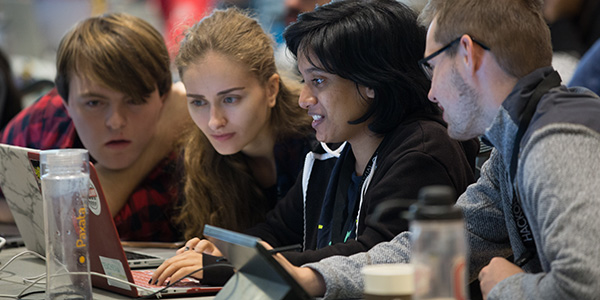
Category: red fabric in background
[179,15]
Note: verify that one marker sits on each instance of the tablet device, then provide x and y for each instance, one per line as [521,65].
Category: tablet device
[258,275]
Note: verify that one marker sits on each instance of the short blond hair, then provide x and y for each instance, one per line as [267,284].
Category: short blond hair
[514,30]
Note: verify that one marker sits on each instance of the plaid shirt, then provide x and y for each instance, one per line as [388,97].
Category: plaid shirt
[148,214]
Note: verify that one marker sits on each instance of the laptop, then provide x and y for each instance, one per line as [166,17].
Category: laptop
[258,275]
[11,234]
[21,185]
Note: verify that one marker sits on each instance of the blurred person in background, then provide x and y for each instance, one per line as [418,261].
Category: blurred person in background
[295,7]
[10,96]
[574,24]
[587,73]
[10,105]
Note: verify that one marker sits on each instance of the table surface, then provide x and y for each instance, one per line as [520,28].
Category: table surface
[11,278]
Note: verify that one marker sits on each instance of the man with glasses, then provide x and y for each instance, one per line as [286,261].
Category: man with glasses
[536,200]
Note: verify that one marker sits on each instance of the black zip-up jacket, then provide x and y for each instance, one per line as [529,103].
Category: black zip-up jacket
[417,153]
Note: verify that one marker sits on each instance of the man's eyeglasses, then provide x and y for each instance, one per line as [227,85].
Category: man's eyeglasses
[424,63]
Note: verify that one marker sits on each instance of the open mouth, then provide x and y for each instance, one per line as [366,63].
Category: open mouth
[317,119]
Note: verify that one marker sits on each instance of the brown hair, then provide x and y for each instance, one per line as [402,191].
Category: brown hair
[514,30]
[221,190]
[119,51]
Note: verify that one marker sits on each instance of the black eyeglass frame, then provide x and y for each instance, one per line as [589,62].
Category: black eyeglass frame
[424,62]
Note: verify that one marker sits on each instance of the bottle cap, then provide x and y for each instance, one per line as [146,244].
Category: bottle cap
[435,202]
[64,161]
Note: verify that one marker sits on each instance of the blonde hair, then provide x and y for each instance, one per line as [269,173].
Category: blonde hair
[221,190]
[514,30]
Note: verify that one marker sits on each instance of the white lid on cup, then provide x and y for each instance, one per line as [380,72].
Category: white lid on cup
[389,279]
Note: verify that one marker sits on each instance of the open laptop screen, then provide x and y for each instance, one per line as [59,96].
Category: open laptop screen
[20,182]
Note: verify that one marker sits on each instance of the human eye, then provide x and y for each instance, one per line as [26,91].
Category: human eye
[428,70]
[197,102]
[429,66]
[92,103]
[317,81]
[230,99]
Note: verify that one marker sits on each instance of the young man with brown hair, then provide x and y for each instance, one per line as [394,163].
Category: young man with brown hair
[114,96]
[537,195]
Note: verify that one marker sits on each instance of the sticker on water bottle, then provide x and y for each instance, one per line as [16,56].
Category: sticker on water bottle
[93,200]
[114,268]
[458,278]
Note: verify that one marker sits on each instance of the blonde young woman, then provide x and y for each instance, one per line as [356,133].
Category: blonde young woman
[251,136]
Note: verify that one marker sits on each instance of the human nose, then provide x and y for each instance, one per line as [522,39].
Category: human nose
[217,118]
[431,95]
[306,98]
[116,118]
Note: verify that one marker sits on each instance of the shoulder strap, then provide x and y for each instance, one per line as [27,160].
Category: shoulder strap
[553,80]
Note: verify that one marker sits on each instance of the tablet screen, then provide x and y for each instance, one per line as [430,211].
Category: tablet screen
[258,275]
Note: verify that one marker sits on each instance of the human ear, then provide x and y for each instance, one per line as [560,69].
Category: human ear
[470,54]
[272,88]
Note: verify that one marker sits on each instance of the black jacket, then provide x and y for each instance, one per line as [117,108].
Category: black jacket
[417,153]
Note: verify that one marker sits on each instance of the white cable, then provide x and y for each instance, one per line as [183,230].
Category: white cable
[19,255]
[8,296]
[35,279]
[81,273]
[13,259]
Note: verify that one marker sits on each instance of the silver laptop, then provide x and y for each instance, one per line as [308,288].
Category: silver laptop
[21,185]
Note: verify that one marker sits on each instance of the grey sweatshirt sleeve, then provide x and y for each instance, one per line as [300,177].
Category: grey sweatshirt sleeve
[342,274]
[485,220]
[560,169]
[486,234]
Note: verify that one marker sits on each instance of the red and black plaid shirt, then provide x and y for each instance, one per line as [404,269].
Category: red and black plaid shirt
[148,214]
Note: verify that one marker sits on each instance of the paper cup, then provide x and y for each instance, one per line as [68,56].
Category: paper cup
[388,281]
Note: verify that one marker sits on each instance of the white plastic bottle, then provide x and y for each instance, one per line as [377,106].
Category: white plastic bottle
[65,188]
[438,245]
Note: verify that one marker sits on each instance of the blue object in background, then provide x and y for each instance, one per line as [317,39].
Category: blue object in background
[587,73]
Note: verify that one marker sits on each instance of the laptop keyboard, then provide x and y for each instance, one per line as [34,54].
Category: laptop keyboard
[141,278]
